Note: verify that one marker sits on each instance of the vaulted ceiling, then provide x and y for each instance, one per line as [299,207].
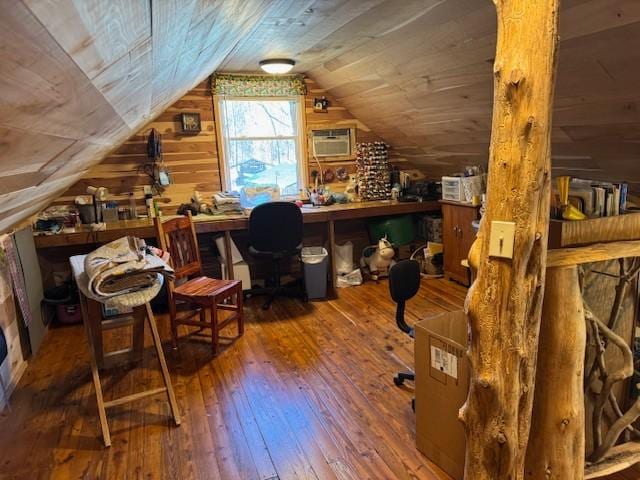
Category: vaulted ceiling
[78,77]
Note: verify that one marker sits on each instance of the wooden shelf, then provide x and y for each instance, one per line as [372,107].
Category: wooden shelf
[564,233]
[458,204]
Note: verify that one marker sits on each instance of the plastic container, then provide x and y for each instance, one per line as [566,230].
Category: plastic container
[253,196]
[133,211]
[452,189]
[399,230]
[472,186]
[64,300]
[87,213]
[69,314]
[315,261]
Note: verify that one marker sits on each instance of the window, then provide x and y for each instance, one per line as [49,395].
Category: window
[262,143]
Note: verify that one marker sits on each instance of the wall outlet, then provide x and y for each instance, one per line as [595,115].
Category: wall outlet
[502,239]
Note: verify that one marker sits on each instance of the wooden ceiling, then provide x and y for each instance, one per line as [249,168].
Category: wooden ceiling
[419,74]
[78,77]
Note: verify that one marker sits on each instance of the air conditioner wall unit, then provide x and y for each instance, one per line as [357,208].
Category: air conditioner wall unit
[331,143]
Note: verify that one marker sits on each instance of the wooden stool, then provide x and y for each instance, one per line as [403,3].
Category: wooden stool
[94,324]
[178,237]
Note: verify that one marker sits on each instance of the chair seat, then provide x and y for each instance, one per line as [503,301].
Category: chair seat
[205,288]
[275,255]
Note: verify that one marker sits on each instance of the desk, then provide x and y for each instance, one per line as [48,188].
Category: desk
[143,228]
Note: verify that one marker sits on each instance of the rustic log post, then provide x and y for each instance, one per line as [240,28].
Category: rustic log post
[504,303]
[557,441]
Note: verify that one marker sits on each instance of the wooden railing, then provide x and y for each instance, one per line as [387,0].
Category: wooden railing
[557,440]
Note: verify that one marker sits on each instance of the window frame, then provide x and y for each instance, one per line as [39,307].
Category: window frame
[300,138]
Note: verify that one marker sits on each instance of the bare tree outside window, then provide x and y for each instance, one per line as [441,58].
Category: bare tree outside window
[261,143]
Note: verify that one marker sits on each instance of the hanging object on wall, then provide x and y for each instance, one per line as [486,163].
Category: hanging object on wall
[321,105]
[329,176]
[190,123]
[11,257]
[155,169]
[372,163]
[342,174]
[154,145]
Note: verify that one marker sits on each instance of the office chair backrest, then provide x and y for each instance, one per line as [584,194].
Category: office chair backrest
[275,227]
[404,283]
[178,237]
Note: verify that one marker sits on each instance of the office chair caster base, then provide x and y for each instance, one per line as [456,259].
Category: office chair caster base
[402,376]
[267,305]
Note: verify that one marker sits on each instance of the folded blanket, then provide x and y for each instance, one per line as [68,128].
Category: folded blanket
[226,198]
[121,267]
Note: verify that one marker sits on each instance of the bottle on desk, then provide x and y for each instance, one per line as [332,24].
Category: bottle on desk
[133,214]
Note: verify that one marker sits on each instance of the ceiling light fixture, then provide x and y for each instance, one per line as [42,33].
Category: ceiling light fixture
[276,66]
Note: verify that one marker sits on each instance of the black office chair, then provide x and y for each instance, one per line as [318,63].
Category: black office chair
[404,283]
[275,232]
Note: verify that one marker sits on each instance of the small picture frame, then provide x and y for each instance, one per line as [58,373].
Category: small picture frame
[190,123]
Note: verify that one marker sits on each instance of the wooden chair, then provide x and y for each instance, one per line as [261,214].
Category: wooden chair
[178,237]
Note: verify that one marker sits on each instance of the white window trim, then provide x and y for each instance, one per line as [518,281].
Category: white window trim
[300,138]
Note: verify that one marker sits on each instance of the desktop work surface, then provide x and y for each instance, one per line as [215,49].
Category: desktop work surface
[143,228]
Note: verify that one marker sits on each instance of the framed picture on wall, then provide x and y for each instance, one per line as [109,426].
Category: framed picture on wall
[190,122]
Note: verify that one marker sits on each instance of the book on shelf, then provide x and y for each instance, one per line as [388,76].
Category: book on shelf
[597,198]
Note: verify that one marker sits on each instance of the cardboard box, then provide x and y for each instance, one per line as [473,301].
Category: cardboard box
[442,384]
[240,272]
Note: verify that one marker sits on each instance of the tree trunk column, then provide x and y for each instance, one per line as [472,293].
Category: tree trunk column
[557,443]
[504,303]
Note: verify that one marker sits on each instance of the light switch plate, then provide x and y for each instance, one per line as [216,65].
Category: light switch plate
[502,239]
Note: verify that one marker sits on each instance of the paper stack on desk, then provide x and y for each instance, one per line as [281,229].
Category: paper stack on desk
[227,202]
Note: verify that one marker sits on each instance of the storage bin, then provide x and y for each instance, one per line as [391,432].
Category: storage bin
[472,186]
[452,189]
[64,300]
[399,229]
[431,228]
[315,261]
[69,314]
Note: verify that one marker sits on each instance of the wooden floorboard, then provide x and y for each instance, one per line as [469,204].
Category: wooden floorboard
[306,393]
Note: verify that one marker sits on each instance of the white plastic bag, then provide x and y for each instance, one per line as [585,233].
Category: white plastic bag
[350,279]
[344,258]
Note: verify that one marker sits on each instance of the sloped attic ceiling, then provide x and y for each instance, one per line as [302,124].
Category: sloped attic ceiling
[419,74]
[78,77]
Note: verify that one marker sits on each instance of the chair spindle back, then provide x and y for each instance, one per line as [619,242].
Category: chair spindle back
[178,237]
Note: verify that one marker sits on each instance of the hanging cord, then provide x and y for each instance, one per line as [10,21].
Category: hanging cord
[313,149]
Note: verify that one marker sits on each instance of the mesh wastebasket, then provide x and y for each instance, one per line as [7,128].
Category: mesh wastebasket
[315,261]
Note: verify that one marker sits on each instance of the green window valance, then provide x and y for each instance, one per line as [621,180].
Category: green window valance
[240,85]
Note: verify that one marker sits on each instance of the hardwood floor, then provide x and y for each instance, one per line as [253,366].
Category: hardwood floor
[307,392]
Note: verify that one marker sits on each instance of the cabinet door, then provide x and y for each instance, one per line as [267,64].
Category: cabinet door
[458,235]
[467,234]
[450,239]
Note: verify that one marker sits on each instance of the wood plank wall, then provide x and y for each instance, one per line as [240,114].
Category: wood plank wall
[193,159]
